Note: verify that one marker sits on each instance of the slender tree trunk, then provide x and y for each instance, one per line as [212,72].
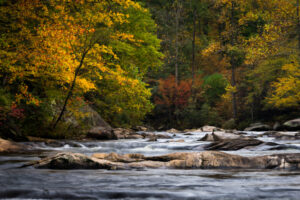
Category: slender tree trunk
[70,92]
[233,63]
[193,46]
[252,103]
[233,83]
[193,55]
[178,7]
[4,81]
[176,41]
[298,25]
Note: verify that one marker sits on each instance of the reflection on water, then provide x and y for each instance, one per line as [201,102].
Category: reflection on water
[30,183]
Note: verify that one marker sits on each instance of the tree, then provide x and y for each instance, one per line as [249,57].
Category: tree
[86,17]
[56,50]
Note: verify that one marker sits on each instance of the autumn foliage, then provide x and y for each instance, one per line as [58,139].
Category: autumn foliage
[172,94]
[54,52]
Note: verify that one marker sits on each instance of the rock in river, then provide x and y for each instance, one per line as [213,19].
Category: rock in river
[101,133]
[7,146]
[232,144]
[258,127]
[69,160]
[216,136]
[292,125]
[190,160]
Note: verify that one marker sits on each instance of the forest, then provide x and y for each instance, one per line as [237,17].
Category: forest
[158,63]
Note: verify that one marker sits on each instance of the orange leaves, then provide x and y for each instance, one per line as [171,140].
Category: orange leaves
[26,96]
[172,94]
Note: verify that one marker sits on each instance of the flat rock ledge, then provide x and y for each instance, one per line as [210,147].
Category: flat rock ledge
[7,146]
[191,160]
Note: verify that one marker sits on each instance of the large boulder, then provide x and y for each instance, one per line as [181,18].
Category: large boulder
[233,144]
[292,125]
[197,160]
[124,133]
[215,159]
[101,133]
[67,160]
[207,137]
[225,136]
[89,118]
[258,127]
[7,146]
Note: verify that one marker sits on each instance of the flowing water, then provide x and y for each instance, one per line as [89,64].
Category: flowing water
[30,183]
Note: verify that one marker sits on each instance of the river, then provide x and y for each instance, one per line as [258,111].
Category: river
[31,183]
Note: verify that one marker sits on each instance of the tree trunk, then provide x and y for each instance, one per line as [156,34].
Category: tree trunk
[233,84]
[176,41]
[70,92]
[193,46]
[298,25]
[193,54]
[176,52]
[233,64]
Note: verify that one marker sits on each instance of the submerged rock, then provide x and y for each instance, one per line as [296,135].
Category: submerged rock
[191,160]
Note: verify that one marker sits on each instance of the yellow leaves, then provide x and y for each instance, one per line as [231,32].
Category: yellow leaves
[287,89]
[26,96]
[249,16]
[125,36]
[127,3]
[212,48]
[85,85]
[229,91]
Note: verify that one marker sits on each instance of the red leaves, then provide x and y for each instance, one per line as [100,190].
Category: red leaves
[16,112]
[171,94]
[13,112]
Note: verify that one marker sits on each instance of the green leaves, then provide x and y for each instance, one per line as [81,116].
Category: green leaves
[214,87]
